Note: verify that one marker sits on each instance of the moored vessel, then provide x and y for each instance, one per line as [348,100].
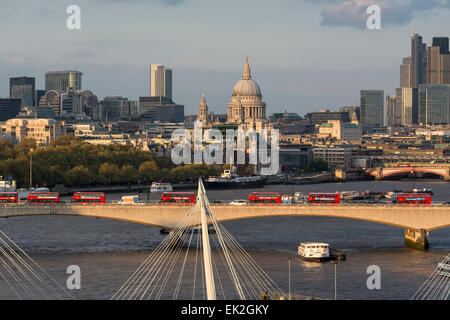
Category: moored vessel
[229,179]
[160,187]
[423,190]
[313,251]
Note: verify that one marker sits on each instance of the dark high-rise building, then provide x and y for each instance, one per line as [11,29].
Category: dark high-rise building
[117,108]
[22,88]
[38,94]
[160,109]
[318,117]
[372,108]
[9,108]
[442,43]
[418,61]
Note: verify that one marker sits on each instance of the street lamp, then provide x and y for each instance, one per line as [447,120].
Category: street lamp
[289,276]
[31,168]
[335,279]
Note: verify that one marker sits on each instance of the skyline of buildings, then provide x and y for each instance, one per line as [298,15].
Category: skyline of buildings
[421,97]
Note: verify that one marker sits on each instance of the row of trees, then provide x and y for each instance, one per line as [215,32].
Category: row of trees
[71,161]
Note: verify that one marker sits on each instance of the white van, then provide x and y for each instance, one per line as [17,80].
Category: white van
[129,200]
[239,203]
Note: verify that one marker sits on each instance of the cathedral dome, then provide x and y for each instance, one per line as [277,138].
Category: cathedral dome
[246,87]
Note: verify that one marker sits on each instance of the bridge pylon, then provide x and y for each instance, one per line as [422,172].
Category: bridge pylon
[417,239]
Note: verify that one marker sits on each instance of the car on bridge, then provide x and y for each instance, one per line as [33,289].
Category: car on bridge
[238,203]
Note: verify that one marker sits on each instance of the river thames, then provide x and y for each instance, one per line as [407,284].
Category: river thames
[108,251]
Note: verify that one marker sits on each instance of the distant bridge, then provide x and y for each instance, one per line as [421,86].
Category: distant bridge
[381,173]
[416,220]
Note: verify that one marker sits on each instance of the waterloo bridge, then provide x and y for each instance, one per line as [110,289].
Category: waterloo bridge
[417,221]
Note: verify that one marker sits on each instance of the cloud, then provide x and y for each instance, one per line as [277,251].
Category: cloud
[13,58]
[163,2]
[352,13]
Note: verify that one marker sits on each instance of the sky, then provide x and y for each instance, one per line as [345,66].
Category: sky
[306,55]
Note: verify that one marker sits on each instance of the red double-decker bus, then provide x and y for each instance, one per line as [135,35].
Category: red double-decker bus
[264,198]
[8,197]
[178,198]
[414,199]
[324,198]
[43,198]
[89,198]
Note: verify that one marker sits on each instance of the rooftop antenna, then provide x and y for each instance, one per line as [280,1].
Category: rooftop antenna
[412,24]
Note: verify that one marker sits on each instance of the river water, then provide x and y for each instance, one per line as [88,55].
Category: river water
[108,251]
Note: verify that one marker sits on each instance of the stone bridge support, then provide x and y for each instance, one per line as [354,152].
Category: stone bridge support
[417,239]
[379,174]
[447,176]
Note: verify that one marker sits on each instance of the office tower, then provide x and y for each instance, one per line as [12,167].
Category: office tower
[438,62]
[117,108]
[372,108]
[405,73]
[160,109]
[390,111]
[418,61]
[160,81]
[442,43]
[397,112]
[9,108]
[318,117]
[410,106]
[434,104]
[61,80]
[22,88]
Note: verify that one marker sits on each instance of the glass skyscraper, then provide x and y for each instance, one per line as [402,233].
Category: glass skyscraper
[410,108]
[9,108]
[372,108]
[418,61]
[434,104]
[23,88]
[61,80]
